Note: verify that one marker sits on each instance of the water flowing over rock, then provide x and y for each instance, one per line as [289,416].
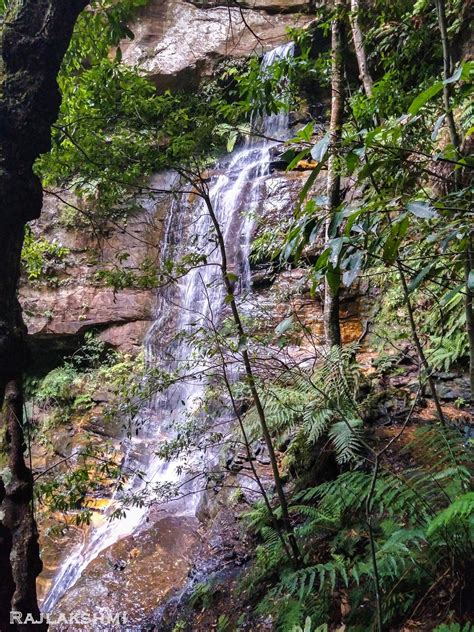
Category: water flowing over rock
[196,301]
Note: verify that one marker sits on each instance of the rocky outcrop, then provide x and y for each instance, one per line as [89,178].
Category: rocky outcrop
[177,43]
[75,299]
[81,306]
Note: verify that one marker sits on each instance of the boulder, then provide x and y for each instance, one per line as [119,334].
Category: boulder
[177,43]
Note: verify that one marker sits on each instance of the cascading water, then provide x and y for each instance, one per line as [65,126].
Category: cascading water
[185,306]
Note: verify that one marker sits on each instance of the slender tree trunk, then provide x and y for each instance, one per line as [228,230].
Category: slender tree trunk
[250,458]
[331,296]
[469,306]
[419,347]
[447,72]
[252,385]
[33,39]
[456,142]
[364,73]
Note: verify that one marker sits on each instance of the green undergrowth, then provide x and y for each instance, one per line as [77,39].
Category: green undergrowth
[73,415]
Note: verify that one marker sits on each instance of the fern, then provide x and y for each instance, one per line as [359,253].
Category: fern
[319,402]
[421,517]
[449,350]
[290,615]
[302,582]
[257,517]
[308,627]
[345,436]
[458,514]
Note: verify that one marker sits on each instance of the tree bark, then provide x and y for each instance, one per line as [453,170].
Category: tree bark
[18,506]
[33,40]
[456,142]
[359,47]
[7,586]
[447,72]
[331,297]
[469,307]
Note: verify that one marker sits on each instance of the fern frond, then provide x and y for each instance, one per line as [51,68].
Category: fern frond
[346,439]
[457,514]
[316,422]
[301,583]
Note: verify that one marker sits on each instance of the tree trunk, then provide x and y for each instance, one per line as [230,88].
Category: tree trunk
[447,71]
[331,296]
[7,587]
[18,506]
[469,307]
[359,47]
[456,142]
[33,39]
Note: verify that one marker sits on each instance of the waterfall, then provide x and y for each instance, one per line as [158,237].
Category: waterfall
[185,306]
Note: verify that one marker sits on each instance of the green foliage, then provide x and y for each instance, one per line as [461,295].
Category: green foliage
[119,278]
[66,395]
[96,30]
[203,595]
[40,257]
[308,627]
[312,404]
[66,391]
[92,354]
[115,129]
[56,387]
[456,516]
[448,349]
[127,132]
[223,623]
[66,491]
[421,518]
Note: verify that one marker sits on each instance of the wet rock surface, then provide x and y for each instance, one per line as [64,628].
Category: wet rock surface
[451,387]
[177,43]
[218,563]
[135,574]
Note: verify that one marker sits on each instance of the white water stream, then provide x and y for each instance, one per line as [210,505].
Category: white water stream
[184,307]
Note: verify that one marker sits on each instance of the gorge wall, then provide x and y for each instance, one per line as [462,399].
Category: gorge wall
[177,44]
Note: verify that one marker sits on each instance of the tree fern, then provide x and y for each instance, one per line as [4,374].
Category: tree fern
[317,402]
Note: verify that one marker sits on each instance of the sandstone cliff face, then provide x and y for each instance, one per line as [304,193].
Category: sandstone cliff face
[176,44]
[77,300]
